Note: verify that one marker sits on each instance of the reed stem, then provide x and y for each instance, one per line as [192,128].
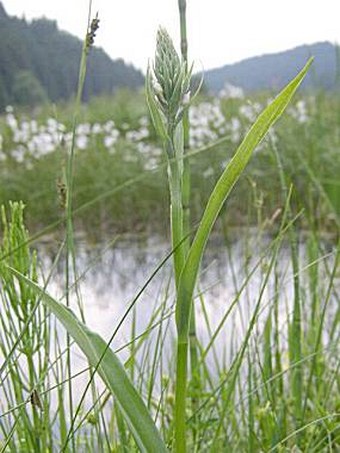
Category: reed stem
[180,403]
[186,192]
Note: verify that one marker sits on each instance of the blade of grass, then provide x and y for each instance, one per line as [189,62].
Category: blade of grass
[189,274]
[110,369]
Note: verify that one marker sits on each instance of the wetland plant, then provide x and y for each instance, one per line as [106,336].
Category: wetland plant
[168,85]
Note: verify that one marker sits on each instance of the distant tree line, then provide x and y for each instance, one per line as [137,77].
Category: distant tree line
[38,62]
[273,71]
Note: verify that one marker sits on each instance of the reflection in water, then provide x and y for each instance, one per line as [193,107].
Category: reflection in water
[235,277]
[239,278]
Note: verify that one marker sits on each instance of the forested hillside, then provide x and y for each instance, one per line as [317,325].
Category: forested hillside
[273,71]
[38,62]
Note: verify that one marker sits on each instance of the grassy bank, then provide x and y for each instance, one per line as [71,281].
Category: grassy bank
[121,172]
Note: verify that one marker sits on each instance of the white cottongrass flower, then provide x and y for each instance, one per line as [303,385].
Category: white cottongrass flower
[300,112]
[230,91]
[97,128]
[82,141]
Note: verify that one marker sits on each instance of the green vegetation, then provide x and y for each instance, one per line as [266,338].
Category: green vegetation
[48,60]
[118,157]
[265,377]
[27,90]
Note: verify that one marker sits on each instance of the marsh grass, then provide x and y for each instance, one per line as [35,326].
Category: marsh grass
[309,153]
[264,377]
[246,399]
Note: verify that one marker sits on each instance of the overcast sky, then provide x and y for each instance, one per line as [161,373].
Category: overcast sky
[220,31]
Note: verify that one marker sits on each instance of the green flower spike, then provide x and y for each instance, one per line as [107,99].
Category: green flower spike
[167,88]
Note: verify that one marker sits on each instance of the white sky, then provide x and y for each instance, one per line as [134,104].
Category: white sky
[219,31]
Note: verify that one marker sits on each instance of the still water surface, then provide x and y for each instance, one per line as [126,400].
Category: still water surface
[235,276]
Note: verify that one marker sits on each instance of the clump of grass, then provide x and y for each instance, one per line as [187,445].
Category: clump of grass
[25,339]
[116,174]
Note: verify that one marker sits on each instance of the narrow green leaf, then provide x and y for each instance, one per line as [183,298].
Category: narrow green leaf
[220,193]
[110,370]
[153,108]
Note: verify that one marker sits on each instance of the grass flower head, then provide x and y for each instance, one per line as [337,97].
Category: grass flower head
[168,86]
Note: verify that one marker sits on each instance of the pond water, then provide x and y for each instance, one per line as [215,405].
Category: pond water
[235,276]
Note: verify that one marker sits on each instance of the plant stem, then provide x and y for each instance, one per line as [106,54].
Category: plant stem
[186,129]
[70,252]
[176,212]
[295,327]
[182,4]
[175,176]
[180,406]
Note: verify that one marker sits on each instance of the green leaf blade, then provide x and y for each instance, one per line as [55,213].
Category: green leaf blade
[155,114]
[110,370]
[220,193]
